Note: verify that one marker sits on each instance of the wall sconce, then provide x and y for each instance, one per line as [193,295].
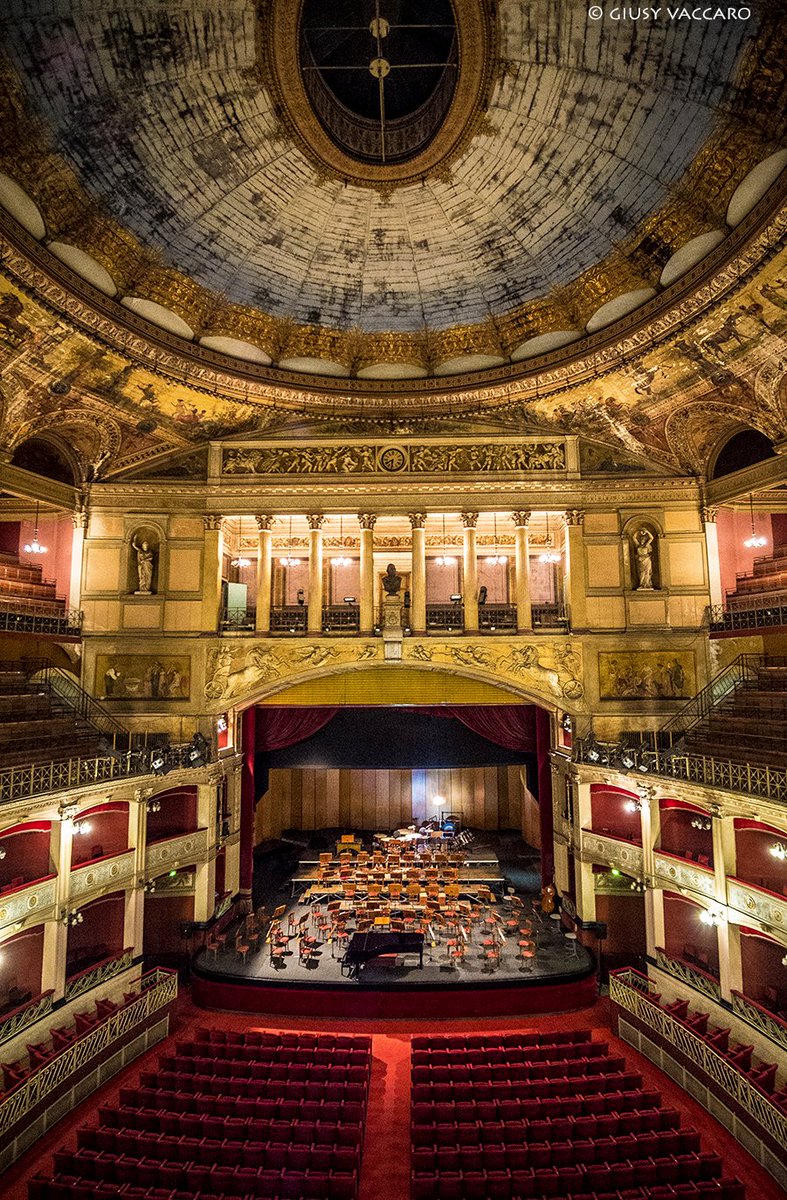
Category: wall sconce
[784,961]
[153,806]
[634,805]
[147,885]
[2,853]
[82,827]
[713,916]
[702,823]
[240,561]
[779,850]
[637,885]
[71,918]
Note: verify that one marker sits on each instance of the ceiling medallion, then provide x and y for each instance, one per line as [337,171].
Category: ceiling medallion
[379,92]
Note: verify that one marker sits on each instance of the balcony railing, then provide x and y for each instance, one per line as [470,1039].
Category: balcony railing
[694,976]
[497,618]
[159,989]
[341,618]
[634,993]
[25,1014]
[767,612]
[41,617]
[289,619]
[766,1022]
[85,981]
[238,620]
[549,616]
[445,617]
[651,754]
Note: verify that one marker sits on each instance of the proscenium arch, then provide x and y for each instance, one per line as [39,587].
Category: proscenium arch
[499,691]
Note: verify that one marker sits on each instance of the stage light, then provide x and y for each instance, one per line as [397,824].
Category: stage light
[438,801]
[221,724]
[199,751]
[159,762]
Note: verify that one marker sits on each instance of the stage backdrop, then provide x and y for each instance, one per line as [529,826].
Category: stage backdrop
[490,797]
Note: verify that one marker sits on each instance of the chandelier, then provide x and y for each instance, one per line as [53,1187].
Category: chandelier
[755,541]
[35,546]
[549,554]
[444,560]
[288,560]
[496,559]
[341,559]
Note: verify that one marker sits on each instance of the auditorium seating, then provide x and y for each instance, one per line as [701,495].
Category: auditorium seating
[554,1115]
[35,726]
[228,1114]
[23,587]
[749,724]
[767,581]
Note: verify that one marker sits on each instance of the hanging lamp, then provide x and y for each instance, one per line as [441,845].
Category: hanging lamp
[496,559]
[754,541]
[444,560]
[35,546]
[550,554]
[288,560]
[341,559]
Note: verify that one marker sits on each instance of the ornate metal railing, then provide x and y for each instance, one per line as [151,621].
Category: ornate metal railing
[445,616]
[92,976]
[238,620]
[695,977]
[627,992]
[290,619]
[159,988]
[496,617]
[39,616]
[27,1014]
[549,616]
[767,613]
[649,758]
[341,617]
[741,670]
[37,779]
[766,1022]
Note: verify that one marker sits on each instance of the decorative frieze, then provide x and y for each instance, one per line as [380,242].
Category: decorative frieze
[615,852]
[165,855]
[385,459]
[107,874]
[674,872]
[37,899]
[757,902]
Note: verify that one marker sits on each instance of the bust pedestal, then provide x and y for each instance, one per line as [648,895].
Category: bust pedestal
[392,628]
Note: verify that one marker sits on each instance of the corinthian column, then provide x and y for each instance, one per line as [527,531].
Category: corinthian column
[418,575]
[366,522]
[524,611]
[264,568]
[211,571]
[470,570]
[575,568]
[314,616]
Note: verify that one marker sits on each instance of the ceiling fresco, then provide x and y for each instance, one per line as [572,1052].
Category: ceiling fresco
[150,138]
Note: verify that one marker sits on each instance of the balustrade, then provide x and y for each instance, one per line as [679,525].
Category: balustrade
[238,620]
[290,618]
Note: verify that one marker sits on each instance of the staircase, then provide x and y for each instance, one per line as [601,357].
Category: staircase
[28,603]
[45,716]
[741,715]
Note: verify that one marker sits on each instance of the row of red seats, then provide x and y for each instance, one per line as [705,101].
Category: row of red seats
[505,1060]
[550,1108]
[165,1147]
[548,1049]
[217,1184]
[543,1073]
[298,1041]
[292,1072]
[569,1129]
[329,1131]
[262,1089]
[477,1185]
[507,1107]
[495,1041]
[236,1106]
[352,1056]
[609,1149]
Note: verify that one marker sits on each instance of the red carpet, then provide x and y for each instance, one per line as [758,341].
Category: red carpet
[386,1165]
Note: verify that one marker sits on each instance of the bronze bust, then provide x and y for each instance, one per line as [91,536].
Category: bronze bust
[392,582]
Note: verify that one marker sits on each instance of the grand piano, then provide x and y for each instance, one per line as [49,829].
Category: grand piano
[363,947]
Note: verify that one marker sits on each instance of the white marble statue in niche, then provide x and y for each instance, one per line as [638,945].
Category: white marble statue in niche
[644,551]
[145,552]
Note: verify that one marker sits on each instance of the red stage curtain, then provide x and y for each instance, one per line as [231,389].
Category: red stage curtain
[280,727]
[509,725]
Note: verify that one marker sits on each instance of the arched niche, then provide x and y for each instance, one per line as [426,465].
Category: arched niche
[744,448]
[47,457]
[144,548]
[643,561]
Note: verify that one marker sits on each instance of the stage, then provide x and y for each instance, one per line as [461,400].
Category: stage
[559,976]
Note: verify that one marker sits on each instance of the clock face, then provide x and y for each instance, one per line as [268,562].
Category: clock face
[392,459]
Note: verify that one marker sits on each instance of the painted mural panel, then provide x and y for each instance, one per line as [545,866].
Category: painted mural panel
[646,675]
[143,677]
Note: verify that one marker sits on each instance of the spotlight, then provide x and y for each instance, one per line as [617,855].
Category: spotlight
[199,751]
[159,762]
[593,754]
[627,760]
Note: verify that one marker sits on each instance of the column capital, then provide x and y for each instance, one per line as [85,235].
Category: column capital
[469,519]
[80,518]
[417,520]
[367,520]
[709,514]
[521,519]
[264,521]
[212,521]
[574,516]
[315,520]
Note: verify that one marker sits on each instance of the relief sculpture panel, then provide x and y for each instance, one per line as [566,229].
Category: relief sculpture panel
[387,459]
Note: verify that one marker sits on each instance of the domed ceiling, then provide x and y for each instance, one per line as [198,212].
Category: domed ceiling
[586,155]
